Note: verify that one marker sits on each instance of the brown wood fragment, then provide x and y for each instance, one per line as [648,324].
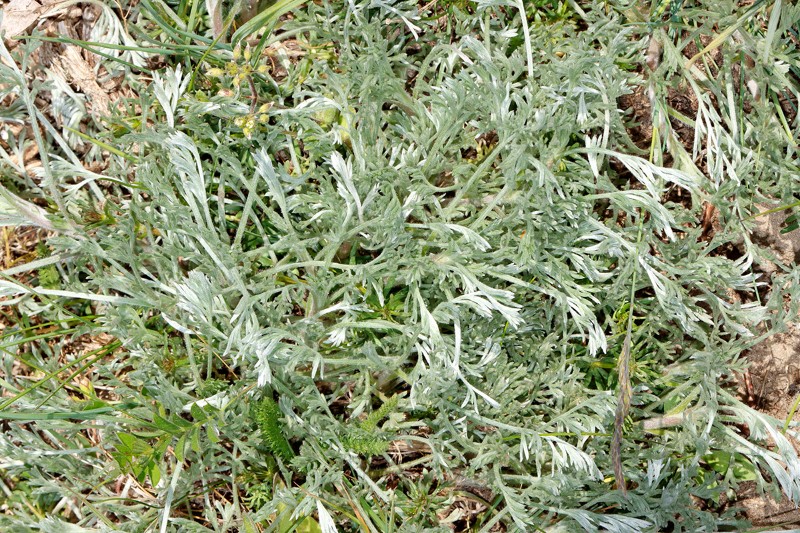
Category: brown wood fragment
[72,67]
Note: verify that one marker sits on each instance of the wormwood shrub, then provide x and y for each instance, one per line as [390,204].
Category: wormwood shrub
[395,279]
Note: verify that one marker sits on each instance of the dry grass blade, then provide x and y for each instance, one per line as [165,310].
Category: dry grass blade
[623,408]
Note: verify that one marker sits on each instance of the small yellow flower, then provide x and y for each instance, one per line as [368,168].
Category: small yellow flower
[215,72]
[247,123]
[237,52]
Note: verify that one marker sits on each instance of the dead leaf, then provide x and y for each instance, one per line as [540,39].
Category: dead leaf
[18,16]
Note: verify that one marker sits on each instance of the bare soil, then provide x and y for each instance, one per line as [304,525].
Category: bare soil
[772,383]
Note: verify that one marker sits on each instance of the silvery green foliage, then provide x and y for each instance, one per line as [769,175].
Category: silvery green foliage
[463,234]
[110,29]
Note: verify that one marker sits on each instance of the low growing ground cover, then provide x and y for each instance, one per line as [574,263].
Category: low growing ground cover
[386,266]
